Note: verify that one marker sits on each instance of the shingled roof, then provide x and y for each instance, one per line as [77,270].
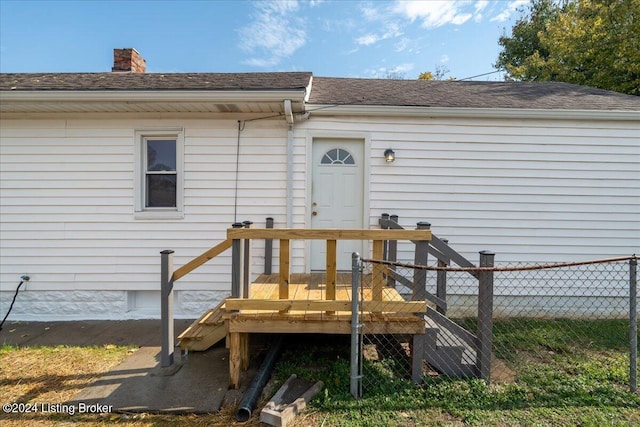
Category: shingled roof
[339,91]
[467,94]
[153,81]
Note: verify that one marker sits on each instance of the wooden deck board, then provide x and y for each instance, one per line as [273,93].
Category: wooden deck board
[313,314]
[312,287]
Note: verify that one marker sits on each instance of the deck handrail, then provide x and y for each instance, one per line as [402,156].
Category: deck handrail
[201,259]
[327,234]
[331,236]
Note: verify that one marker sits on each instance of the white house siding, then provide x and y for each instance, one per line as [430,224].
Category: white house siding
[67,210]
[529,190]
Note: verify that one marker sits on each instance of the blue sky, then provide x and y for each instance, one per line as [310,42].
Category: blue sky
[328,38]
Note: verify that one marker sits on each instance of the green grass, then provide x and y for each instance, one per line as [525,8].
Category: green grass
[564,373]
[561,373]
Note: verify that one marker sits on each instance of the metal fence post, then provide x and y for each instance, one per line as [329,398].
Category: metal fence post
[421,257]
[355,380]
[485,316]
[166,308]
[236,265]
[246,262]
[441,281]
[633,324]
[268,250]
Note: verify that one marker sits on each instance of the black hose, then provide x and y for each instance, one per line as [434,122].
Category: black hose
[11,306]
[252,394]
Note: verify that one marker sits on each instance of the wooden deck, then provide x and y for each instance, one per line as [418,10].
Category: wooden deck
[307,310]
[294,303]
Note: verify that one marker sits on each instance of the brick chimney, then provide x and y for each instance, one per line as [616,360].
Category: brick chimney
[128,60]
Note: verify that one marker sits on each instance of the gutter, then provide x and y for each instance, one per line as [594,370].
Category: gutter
[145,95]
[458,112]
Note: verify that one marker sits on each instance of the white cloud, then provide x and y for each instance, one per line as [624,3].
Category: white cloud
[390,30]
[512,6]
[479,7]
[370,13]
[403,44]
[367,40]
[444,59]
[389,27]
[435,13]
[402,68]
[397,72]
[275,32]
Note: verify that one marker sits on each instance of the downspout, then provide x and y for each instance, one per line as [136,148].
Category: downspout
[288,114]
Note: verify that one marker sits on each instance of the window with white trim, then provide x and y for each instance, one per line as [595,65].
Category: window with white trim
[159,181]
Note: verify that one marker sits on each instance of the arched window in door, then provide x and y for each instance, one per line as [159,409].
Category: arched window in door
[337,156]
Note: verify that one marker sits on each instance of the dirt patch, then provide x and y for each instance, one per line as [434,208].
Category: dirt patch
[501,373]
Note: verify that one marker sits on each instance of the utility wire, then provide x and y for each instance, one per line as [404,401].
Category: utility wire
[480,75]
[23,279]
[235,198]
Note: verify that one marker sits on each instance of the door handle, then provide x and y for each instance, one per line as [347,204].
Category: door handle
[314,213]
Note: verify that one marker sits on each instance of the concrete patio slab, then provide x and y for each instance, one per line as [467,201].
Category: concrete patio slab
[196,385]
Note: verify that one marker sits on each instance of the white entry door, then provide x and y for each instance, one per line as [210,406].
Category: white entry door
[337,195]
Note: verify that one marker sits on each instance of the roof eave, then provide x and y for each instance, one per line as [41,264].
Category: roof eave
[297,95]
[463,112]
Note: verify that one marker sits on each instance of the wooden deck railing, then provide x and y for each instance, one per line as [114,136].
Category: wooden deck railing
[331,236]
[198,261]
[239,240]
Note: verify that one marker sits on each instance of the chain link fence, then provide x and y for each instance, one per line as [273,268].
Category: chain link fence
[505,324]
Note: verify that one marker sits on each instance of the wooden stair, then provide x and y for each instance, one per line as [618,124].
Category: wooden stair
[205,332]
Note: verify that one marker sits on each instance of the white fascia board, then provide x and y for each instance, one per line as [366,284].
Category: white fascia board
[506,113]
[296,95]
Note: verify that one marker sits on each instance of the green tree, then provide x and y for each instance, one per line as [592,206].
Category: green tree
[439,74]
[588,42]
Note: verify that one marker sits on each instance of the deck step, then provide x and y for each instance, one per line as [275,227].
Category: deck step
[447,353]
[205,332]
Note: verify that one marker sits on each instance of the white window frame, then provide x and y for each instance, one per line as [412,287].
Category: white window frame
[141,211]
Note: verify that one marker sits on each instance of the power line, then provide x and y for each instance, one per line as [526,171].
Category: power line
[480,75]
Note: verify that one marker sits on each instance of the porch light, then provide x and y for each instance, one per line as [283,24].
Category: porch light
[389,155]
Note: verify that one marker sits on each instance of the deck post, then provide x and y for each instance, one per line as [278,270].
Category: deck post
[166,308]
[418,345]
[355,382]
[485,316]
[235,360]
[421,258]
[236,265]
[332,270]
[441,281]
[384,221]
[244,351]
[268,250]
[633,324]
[283,288]
[377,275]
[246,263]
[392,253]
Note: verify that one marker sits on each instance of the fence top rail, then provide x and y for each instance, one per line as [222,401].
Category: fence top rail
[327,234]
[520,268]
